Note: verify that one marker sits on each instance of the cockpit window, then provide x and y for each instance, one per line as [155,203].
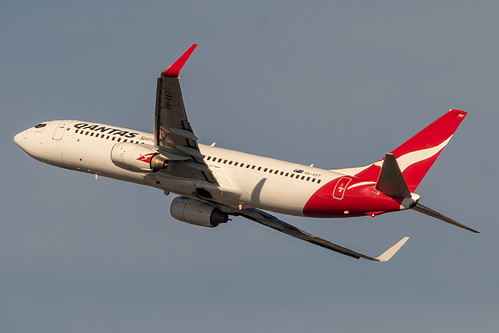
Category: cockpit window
[40,125]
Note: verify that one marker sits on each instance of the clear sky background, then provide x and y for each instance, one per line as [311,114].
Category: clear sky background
[335,83]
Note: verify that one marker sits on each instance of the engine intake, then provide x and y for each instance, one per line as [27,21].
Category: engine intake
[138,158]
[196,212]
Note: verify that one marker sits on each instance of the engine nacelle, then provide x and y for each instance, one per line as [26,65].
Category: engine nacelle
[138,157]
[197,212]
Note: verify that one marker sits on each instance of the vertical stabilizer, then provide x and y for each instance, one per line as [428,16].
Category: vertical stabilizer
[416,156]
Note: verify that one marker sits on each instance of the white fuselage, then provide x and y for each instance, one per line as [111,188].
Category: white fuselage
[245,180]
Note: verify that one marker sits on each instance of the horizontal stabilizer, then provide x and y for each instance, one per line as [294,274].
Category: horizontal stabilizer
[430,212]
[391,181]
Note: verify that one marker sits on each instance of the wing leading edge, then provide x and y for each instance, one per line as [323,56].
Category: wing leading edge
[173,134]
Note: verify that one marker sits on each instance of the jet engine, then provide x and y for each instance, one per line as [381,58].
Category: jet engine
[137,157]
[197,212]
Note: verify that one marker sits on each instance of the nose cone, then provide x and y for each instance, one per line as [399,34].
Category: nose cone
[28,141]
[20,140]
[37,142]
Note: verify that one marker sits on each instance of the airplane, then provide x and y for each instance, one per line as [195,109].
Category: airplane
[214,183]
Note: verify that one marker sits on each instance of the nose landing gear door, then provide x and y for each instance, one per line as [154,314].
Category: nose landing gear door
[59,131]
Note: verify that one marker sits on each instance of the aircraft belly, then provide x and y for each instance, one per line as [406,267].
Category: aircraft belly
[180,186]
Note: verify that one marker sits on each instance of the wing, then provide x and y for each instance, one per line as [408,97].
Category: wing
[274,223]
[173,134]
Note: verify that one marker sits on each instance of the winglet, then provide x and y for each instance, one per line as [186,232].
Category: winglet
[388,254]
[175,68]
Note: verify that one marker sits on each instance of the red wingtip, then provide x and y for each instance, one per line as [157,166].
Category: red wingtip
[174,69]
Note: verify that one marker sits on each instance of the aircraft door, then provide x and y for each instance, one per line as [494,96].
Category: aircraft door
[341,187]
[59,131]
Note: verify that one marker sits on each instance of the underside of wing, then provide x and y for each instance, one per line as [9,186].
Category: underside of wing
[273,222]
[173,134]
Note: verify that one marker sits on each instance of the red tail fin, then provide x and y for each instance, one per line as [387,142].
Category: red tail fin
[416,156]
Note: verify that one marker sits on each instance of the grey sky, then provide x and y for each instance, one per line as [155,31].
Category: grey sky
[335,83]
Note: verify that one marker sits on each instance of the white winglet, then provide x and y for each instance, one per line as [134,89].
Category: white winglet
[388,254]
